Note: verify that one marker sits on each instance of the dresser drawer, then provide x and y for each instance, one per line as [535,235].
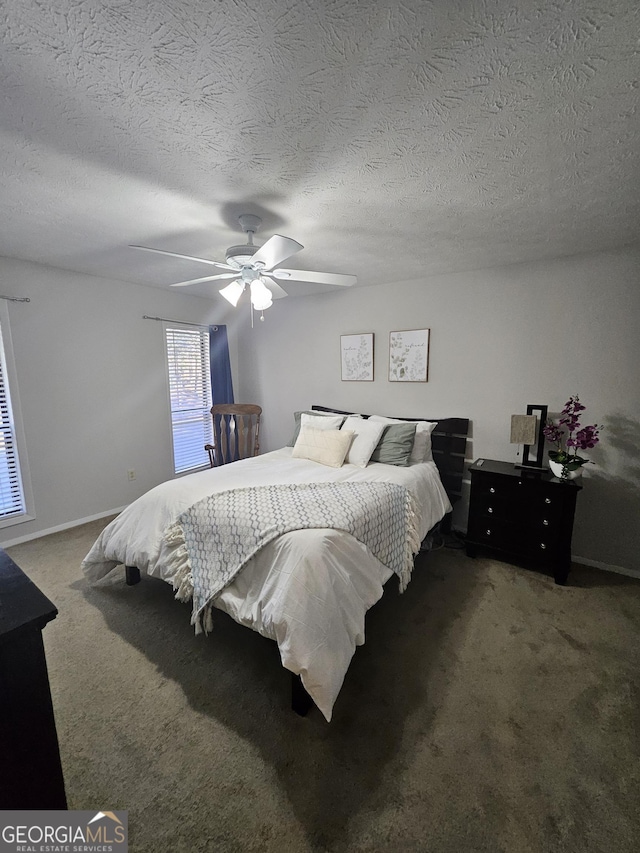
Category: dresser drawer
[495,488]
[521,537]
[544,500]
[495,532]
[516,499]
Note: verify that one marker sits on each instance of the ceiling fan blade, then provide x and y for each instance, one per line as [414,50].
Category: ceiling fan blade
[185,257]
[276,250]
[276,291]
[315,277]
[207,278]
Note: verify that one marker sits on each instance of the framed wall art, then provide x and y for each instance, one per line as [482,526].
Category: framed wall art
[409,356]
[356,352]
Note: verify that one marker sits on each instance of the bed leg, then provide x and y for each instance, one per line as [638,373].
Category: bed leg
[300,699]
[445,524]
[132,575]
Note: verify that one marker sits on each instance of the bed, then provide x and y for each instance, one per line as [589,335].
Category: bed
[307,586]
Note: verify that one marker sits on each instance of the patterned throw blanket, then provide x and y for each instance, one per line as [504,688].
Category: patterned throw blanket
[223,531]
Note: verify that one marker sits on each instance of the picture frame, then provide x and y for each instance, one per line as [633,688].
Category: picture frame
[356,357]
[409,355]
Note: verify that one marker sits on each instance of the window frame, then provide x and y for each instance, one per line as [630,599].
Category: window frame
[203,332]
[15,413]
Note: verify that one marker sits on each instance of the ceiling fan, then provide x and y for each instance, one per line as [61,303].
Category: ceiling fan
[257,267]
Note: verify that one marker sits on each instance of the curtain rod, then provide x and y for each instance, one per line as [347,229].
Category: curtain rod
[181,322]
[16,298]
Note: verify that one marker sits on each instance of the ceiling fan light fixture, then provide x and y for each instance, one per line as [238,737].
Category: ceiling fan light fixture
[232,292]
[261,297]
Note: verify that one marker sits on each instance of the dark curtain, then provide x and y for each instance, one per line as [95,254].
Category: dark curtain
[221,382]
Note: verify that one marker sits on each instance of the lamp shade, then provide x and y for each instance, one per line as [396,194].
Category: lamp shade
[261,297]
[232,292]
[523,429]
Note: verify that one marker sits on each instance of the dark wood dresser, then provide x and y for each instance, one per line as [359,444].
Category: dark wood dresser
[30,769]
[521,516]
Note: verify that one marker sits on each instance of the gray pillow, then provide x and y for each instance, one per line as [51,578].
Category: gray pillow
[297,416]
[395,445]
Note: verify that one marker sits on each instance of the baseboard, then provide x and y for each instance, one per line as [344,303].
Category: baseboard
[606,567]
[60,527]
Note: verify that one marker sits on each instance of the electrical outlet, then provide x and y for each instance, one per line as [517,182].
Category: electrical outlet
[131,474]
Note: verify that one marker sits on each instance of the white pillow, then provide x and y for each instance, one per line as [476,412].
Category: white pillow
[297,416]
[326,446]
[421,451]
[321,421]
[365,440]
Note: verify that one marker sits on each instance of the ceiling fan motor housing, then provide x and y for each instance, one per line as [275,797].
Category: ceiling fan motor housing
[240,256]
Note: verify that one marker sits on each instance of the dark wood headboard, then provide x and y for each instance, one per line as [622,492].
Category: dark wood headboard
[449,443]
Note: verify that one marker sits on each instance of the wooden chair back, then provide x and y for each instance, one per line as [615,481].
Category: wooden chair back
[236,432]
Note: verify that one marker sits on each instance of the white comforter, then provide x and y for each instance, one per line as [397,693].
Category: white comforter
[308,590]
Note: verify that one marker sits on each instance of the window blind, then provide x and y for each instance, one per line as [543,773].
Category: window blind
[11,492]
[190,396]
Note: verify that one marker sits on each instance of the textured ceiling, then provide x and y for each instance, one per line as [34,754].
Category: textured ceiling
[393,138]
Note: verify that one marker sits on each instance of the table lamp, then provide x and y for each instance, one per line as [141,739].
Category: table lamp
[527,431]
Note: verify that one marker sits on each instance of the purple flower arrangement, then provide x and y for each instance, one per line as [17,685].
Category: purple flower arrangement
[575,436]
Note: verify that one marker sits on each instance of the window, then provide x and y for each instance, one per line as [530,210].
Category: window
[13,480]
[190,396]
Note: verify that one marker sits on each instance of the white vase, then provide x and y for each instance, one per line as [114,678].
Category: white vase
[557,467]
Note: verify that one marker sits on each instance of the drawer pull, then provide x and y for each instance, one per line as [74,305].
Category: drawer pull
[545,522]
[547,500]
[492,490]
[488,532]
[490,509]
[519,482]
[542,545]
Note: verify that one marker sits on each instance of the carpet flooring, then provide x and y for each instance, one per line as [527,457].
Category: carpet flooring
[489,710]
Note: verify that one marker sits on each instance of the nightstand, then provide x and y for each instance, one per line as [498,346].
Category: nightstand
[521,516]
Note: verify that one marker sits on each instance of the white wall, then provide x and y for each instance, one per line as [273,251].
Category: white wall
[93,388]
[500,339]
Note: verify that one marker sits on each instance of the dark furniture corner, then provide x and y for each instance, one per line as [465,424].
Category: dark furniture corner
[31,772]
[521,516]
